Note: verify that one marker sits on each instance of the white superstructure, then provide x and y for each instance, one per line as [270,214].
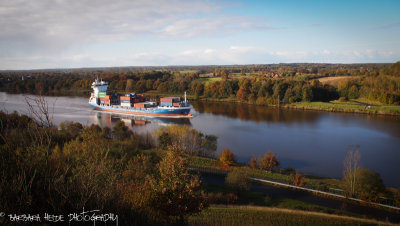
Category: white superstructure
[99,86]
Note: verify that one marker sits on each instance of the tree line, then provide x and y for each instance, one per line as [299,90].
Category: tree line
[373,82]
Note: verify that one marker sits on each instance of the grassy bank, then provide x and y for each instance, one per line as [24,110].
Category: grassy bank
[347,106]
[277,175]
[249,215]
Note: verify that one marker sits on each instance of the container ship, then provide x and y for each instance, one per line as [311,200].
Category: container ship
[103,99]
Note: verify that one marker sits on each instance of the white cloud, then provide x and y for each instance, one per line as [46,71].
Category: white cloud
[58,24]
[200,56]
[326,52]
[210,26]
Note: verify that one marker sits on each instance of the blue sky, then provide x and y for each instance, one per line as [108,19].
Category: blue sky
[84,33]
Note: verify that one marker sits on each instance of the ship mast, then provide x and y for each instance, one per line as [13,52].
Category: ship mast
[185,97]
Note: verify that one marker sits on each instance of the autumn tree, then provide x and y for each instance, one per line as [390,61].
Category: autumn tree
[187,139]
[224,74]
[253,163]
[227,157]
[269,161]
[351,165]
[242,94]
[199,90]
[175,192]
[299,180]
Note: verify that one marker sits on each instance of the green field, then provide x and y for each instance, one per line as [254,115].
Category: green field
[240,74]
[188,71]
[270,216]
[210,79]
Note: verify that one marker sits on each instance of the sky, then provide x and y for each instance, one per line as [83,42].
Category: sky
[43,34]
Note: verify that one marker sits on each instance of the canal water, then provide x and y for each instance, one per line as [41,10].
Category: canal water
[311,142]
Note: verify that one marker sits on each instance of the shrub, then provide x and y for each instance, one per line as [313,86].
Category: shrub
[238,180]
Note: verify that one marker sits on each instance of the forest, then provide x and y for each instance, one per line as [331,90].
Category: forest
[254,84]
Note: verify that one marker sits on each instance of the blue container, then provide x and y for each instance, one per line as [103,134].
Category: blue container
[168,104]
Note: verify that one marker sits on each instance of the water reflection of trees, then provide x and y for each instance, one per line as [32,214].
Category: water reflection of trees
[272,114]
[256,113]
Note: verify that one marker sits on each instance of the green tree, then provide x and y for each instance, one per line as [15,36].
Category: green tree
[130,86]
[307,93]
[120,131]
[164,140]
[370,186]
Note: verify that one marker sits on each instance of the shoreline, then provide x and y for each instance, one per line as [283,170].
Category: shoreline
[322,106]
[332,106]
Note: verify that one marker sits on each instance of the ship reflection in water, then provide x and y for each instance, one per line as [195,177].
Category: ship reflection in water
[106,119]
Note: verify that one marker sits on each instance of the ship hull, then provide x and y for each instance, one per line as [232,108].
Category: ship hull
[152,112]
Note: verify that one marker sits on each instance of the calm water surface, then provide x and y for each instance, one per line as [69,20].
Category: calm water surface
[311,142]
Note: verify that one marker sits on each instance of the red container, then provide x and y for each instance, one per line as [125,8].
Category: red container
[176,104]
[167,99]
[139,105]
[124,98]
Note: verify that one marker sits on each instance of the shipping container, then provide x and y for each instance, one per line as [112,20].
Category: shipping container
[166,100]
[126,104]
[107,97]
[170,99]
[176,104]
[139,105]
[124,98]
[168,104]
[139,122]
